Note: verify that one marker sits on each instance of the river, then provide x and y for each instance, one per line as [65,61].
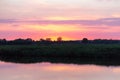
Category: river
[49,71]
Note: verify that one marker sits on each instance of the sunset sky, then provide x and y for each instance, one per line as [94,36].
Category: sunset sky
[70,19]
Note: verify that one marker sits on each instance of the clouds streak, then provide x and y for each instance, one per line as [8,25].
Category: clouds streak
[98,22]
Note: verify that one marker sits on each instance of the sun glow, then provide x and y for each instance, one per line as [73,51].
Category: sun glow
[54,38]
[54,28]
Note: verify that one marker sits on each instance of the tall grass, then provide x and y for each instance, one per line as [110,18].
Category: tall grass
[66,52]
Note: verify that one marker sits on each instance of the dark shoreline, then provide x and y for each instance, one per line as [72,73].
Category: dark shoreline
[98,54]
[60,61]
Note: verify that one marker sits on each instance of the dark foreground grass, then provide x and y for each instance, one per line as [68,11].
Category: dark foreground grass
[102,54]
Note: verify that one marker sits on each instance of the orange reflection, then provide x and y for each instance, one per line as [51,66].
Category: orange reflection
[116,70]
[58,68]
[81,69]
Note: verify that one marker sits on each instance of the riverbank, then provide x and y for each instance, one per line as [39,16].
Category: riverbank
[108,54]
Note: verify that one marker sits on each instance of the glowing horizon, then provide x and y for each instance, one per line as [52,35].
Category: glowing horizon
[73,20]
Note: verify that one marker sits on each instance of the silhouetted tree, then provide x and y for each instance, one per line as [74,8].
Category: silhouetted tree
[42,40]
[48,39]
[29,39]
[59,39]
[3,41]
[84,40]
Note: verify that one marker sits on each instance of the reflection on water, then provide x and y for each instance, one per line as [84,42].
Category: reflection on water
[48,71]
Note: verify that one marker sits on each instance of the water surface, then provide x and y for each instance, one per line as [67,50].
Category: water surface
[48,71]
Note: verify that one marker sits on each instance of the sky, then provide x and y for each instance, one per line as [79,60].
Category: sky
[69,19]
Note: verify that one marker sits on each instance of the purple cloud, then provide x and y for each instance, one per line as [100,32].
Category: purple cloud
[98,22]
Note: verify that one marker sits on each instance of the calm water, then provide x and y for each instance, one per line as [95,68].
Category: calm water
[48,71]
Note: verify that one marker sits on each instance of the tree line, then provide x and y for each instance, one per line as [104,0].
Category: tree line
[29,41]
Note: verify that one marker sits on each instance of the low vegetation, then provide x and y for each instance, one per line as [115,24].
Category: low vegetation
[107,54]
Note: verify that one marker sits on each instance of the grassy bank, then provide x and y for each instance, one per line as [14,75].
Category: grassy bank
[67,53]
